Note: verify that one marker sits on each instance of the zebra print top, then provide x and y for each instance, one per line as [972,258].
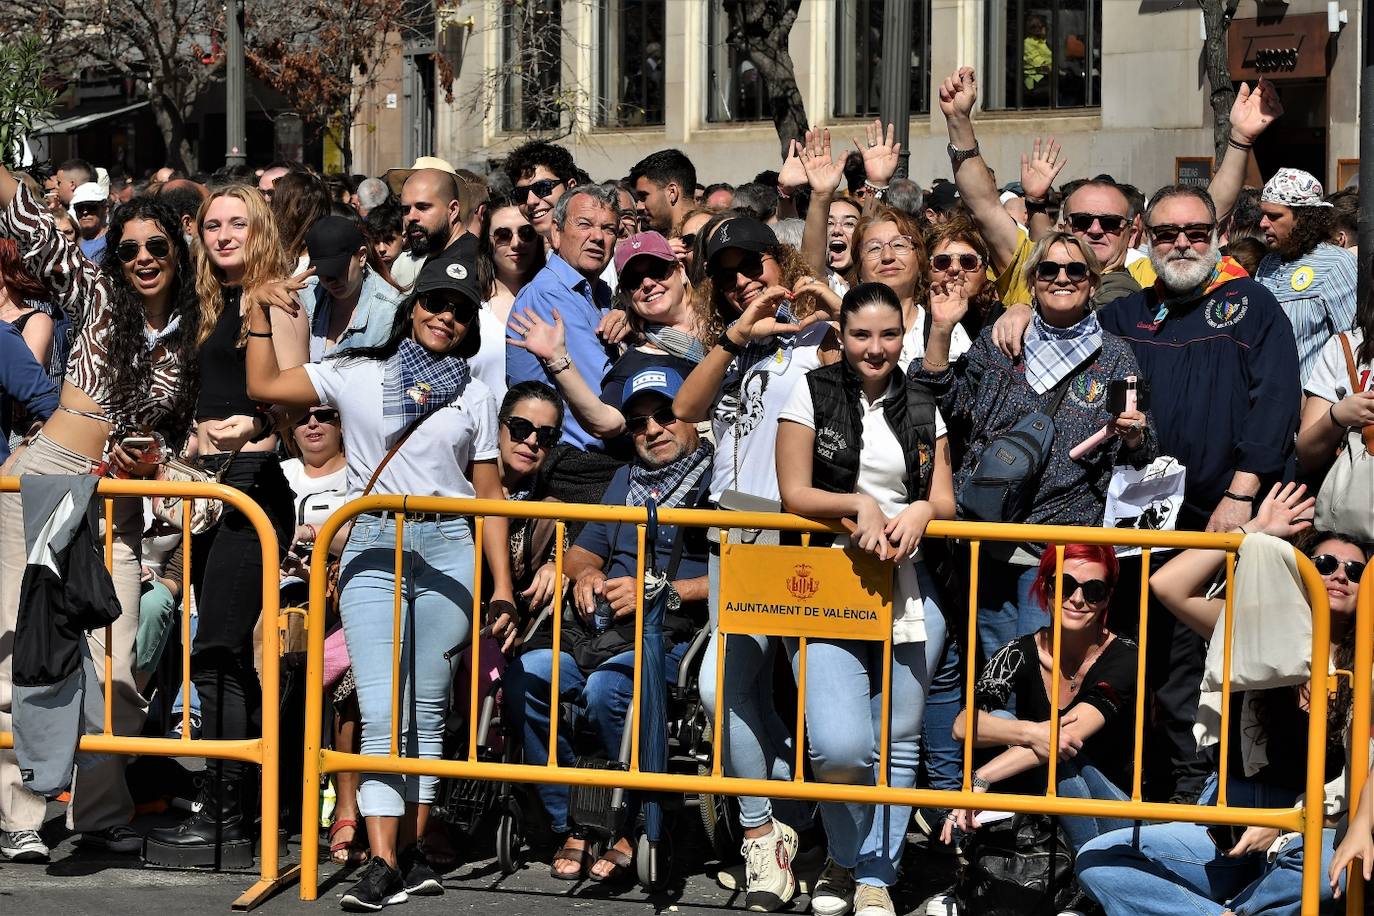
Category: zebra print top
[82,292]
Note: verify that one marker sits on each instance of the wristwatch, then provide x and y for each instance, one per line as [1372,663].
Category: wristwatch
[957,155]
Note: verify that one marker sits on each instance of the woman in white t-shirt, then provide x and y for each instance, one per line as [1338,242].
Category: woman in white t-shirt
[509,254]
[319,480]
[857,441]
[414,399]
[1335,402]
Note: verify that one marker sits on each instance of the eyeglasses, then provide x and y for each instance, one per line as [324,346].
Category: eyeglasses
[1194,232]
[502,235]
[320,415]
[967,262]
[541,188]
[1095,591]
[521,429]
[157,247]
[1327,565]
[1048,271]
[902,246]
[1111,223]
[750,264]
[463,310]
[638,424]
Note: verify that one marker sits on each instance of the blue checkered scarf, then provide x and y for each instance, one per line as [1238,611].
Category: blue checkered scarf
[1053,353]
[670,485]
[416,381]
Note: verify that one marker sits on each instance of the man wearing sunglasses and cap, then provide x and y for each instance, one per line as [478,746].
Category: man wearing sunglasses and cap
[352,306]
[91,204]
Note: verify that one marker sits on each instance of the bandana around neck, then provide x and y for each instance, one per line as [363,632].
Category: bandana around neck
[1227,269]
[1052,354]
[671,484]
[416,382]
[671,340]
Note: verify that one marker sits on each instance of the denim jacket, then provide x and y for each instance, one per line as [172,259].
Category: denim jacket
[373,317]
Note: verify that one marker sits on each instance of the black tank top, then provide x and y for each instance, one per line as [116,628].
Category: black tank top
[223,373]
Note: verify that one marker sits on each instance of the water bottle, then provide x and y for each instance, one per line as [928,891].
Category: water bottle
[602,616]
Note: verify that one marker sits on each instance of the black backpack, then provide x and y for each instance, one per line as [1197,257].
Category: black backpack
[1020,866]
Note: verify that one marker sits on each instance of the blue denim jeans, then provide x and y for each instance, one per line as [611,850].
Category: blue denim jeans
[757,744]
[436,590]
[1172,869]
[844,721]
[1005,607]
[602,699]
[944,756]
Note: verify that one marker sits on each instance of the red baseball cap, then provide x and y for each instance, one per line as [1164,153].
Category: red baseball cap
[646,244]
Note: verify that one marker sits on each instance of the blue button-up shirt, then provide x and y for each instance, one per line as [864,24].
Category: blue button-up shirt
[370,325]
[1317,291]
[581,303]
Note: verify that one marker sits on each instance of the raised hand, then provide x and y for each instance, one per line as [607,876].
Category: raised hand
[1254,110]
[760,320]
[822,170]
[948,302]
[958,92]
[1041,168]
[880,154]
[792,176]
[1284,512]
[542,340]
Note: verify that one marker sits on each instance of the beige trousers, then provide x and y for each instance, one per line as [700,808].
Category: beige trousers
[100,796]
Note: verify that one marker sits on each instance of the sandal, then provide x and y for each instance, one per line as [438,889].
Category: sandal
[582,856]
[346,852]
[621,865]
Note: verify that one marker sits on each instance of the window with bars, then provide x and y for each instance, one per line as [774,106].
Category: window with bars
[531,65]
[735,90]
[1043,54]
[859,57]
[631,63]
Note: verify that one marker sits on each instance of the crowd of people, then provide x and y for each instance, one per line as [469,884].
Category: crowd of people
[829,340]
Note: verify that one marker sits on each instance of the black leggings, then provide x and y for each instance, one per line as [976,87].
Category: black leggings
[226,573]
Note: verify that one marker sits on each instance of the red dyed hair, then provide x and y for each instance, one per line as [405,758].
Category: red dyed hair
[1042,590]
[15,277]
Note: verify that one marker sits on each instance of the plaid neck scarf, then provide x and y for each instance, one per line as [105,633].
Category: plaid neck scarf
[1227,269]
[671,484]
[1053,353]
[671,340]
[416,382]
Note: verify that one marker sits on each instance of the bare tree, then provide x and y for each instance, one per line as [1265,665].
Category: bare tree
[1216,18]
[759,29]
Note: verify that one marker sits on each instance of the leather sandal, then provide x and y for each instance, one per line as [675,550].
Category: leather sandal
[621,865]
[583,858]
[346,852]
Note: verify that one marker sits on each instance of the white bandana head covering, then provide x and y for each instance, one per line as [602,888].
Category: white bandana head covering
[1293,188]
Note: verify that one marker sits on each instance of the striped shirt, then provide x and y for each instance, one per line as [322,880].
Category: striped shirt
[1317,292]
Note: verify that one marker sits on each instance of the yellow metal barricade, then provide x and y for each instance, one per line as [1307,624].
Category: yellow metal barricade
[319,761]
[262,752]
[1362,686]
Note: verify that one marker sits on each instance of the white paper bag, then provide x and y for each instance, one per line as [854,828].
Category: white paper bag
[1148,499]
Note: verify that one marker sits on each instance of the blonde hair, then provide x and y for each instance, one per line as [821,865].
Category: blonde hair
[264,259]
[1042,251]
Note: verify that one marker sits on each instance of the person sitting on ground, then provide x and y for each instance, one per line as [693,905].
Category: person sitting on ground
[671,466]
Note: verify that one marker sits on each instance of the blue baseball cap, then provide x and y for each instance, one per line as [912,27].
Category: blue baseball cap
[658,380]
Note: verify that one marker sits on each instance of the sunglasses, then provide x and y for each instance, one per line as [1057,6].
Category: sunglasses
[1194,232]
[503,234]
[689,239]
[87,209]
[751,265]
[1048,271]
[656,269]
[521,429]
[638,424]
[1095,591]
[463,310]
[320,415]
[1111,223]
[157,247]
[541,188]
[1327,565]
[968,262]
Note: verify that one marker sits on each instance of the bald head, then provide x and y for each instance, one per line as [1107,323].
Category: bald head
[431,211]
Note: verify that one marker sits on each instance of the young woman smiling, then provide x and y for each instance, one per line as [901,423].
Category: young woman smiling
[127,375]
[443,443]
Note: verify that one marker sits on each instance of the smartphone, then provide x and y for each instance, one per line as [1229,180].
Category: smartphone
[1117,395]
[1225,836]
[136,445]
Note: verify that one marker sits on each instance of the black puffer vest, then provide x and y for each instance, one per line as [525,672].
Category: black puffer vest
[835,392]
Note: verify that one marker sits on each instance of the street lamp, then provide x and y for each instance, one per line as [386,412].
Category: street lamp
[235,127]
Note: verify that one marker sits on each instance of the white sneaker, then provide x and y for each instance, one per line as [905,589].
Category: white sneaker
[871,900]
[944,904]
[23,846]
[833,894]
[769,882]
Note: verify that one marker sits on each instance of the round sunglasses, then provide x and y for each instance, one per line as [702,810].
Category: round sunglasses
[521,429]
[1095,591]
[1327,565]
[1048,271]
[157,247]
[502,235]
[967,262]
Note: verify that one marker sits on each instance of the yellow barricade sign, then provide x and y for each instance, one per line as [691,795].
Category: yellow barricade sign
[801,591]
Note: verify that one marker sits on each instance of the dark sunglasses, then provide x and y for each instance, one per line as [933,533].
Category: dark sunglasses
[320,414]
[969,262]
[689,239]
[85,209]
[1327,565]
[657,269]
[639,423]
[1111,223]
[521,429]
[1095,591]
[463,310]
[503,234]
[541,188]
[158,247]
[1048,271]
[1194,232]
[751,265]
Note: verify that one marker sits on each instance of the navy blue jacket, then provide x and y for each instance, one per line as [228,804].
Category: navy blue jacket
[22,382]
[1225,394]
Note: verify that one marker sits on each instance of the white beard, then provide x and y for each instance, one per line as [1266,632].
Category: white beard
[1185,274]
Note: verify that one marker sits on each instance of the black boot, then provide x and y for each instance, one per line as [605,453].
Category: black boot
[217,835]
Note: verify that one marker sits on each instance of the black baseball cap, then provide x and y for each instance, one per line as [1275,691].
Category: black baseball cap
[742,232]
[331,242]
[943,197]
[453,271]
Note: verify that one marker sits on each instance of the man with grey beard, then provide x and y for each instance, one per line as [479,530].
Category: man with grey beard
[1222,363]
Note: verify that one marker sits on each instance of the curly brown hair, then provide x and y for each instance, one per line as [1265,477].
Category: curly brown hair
[906,225]
[960,228]
[1311,227]
[713,312]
